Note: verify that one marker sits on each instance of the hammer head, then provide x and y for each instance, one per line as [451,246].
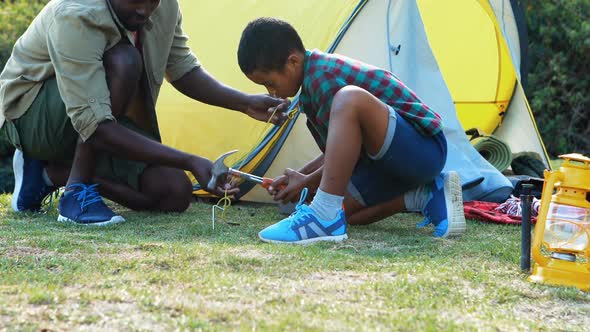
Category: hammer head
[219,169]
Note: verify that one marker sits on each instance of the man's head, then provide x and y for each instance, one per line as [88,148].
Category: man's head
[134,14]
[271,53]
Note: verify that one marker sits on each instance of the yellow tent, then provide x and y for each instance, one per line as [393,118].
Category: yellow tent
[463,67]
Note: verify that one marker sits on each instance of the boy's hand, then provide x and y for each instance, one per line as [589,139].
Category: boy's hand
[293,183]
[261,107]
[201,169]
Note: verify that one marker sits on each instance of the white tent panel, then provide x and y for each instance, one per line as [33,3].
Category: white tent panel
[518,127]
[416,66]
[507,22]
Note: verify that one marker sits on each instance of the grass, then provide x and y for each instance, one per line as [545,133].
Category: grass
[174,272]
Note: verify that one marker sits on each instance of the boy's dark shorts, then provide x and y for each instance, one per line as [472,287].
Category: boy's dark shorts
[406,161]
[45,132]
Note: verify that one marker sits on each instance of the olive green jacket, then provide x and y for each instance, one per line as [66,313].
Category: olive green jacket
[68,39]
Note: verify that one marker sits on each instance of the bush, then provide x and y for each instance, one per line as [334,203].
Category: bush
[15,17]
[559,50]
[6,176]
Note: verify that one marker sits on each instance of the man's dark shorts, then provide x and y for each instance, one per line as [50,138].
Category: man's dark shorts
[45,132]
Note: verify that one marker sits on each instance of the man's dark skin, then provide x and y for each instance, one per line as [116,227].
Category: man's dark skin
[163,185]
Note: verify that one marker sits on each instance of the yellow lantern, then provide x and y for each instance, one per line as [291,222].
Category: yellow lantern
[561,244]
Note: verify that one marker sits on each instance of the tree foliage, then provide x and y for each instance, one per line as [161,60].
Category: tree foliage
[559,77]
[15,17]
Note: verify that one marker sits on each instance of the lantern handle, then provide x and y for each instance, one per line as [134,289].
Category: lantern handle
[551,179]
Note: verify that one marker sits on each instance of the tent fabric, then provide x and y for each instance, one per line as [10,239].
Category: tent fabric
[452,54]
[418,68]
[481,99]
[214,29]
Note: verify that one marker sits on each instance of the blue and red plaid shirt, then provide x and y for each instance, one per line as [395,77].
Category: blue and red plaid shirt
[325,74]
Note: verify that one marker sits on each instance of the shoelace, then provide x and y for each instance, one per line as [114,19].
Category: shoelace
[293,222]
[87,196]
[48,200]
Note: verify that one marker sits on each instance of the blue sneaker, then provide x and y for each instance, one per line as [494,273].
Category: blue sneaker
[82,204]
[444,208]
[304,227]
[29,187]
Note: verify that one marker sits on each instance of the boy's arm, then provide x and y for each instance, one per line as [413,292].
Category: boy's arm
[309,176]
[312,165]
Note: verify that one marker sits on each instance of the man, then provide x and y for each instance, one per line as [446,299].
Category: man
[77,100]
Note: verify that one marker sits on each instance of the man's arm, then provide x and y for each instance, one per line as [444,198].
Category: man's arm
[187,75]
[198,84]
[120,141]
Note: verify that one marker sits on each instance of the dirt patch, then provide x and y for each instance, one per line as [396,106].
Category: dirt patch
[369,244]
[22,252]
[350,278]
[125,255]
[555,313]
[250,253]
[100,316]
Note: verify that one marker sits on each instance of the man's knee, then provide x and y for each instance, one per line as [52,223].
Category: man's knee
[170,188]
[123,62]
[180,190]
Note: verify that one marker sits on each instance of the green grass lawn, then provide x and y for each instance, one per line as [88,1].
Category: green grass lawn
[174,272]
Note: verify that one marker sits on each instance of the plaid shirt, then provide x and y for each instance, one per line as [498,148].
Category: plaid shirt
[325,74]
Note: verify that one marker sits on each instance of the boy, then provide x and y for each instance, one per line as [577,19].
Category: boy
[372,130]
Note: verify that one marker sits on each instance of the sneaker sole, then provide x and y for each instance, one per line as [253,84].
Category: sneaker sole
[455,212]
[114,220]
[337,238]
[17,166]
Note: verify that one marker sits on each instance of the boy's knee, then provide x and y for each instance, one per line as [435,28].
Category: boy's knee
[123,61]
[348,98]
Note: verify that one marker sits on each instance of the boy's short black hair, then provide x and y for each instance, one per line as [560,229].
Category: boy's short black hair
[266,44]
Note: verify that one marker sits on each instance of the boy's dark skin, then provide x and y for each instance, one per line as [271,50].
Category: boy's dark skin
[164,185]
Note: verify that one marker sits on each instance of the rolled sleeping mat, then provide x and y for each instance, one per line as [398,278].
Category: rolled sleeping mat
[494,151]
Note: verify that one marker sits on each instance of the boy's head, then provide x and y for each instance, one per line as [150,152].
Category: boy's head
[271,53]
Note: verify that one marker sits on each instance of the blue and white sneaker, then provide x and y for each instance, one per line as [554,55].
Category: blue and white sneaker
[304,227]
[444,207]
[83,205]
[29,187]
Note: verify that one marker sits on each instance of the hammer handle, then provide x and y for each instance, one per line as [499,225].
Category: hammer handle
[265,182]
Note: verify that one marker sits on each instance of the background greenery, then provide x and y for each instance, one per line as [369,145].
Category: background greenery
[559,81]
[557,87]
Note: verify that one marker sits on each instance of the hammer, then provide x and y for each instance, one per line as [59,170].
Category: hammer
[219,168]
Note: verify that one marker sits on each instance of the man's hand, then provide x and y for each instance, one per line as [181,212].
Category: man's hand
[201,169]
[261,107]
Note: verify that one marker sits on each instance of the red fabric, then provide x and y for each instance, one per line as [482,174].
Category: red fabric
[486,211]
[137,41]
